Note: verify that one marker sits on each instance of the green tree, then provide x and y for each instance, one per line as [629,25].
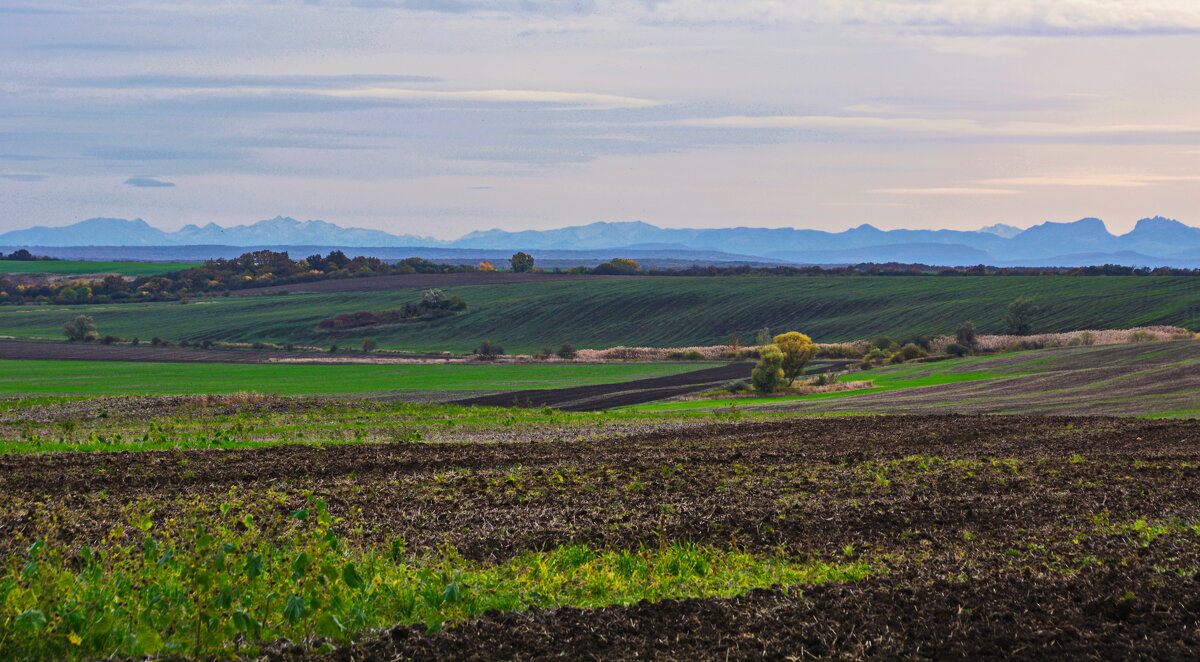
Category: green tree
[767,375]
[965,334]
[798,349]
[1020,315]
[368,344]
[82,329]
[566,351]
[489,350]
[521,262]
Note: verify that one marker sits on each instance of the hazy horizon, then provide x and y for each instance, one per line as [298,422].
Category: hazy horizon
[437,118]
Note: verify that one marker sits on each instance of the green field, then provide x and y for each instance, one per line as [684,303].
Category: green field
[30,378]
[651,311]
[87,267]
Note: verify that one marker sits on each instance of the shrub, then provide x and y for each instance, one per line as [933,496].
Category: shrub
[545,353]
[80,329]
[108,340]
[885,343]
[368,344]
[919,340]
[206,344]
[185,343]
[521,262]
[955,349]
[1018,320]
[566,351]
[966,334]
[912,351]
[1087,338]
[157,342]
[489,350]
[1142,336]
[840,351]
[135,341]
[767,375]
[737,386]
[897,358]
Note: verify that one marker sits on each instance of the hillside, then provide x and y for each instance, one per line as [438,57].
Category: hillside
[654,311]
[1142,379]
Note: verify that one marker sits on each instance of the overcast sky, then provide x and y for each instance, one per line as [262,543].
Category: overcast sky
[438,117]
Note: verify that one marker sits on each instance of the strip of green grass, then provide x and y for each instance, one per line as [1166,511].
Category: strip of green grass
[884,381]
[33,378]
[71,267]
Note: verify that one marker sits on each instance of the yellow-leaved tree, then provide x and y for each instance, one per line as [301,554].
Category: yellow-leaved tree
[797,349]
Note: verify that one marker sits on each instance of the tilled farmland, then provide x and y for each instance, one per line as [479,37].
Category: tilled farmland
[938,536]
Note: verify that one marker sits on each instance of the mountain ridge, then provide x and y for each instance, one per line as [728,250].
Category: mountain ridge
[1154,238]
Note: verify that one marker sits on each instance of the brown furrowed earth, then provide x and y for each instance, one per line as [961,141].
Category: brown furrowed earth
[415,281]
[1122,380]
[995,537]
[607,396]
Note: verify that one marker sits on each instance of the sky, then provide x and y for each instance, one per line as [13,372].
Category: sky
[439,117]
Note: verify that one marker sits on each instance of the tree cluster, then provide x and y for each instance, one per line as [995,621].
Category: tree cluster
[22,255]
[433,304]
[255,269]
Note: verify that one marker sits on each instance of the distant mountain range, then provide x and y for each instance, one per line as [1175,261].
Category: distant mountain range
[1153,242]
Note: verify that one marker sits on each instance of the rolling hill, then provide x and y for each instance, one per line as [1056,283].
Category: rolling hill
[650,311]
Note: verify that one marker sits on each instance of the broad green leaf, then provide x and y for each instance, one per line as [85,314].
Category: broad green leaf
[351,577]
[31,620]
[294,609]
[244,622]
[254,566]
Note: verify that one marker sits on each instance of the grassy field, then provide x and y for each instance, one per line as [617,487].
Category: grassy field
[32,378]
[652,311]
[1159,379]
[88,267]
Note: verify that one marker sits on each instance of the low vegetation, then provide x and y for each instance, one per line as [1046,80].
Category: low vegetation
[432,305]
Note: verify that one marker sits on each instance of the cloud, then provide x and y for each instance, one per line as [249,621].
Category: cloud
[22,177]
[949,127]
[1032,18]
[148,182]
[944,191]
[1104,180]
[171,81]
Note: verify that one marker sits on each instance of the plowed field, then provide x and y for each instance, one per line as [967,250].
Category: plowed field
[985,537]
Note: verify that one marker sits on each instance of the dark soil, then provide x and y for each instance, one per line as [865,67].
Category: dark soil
[607,396]
[1083,617]
[1002,537]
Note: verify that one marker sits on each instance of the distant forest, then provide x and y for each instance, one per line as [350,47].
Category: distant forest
[269,268]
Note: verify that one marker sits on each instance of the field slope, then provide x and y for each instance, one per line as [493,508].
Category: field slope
[651,311]
[1141,379]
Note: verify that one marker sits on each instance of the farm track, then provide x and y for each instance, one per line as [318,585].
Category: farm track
[415,281]
[1003,536]
[606,396]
